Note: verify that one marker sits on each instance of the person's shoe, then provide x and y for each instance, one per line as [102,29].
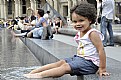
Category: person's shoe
[104,45]
[110,45]
[51,36]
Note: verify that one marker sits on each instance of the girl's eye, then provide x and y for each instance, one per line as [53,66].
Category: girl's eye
[78,21]
[74,21]
[81,20]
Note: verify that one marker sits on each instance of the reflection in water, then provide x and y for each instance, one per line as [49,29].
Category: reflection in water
[15,73]
[15,57]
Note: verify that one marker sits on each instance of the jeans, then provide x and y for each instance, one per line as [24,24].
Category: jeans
[107,24]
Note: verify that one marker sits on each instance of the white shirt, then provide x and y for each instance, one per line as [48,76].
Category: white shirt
[86,49]
[46,16]
[108,8]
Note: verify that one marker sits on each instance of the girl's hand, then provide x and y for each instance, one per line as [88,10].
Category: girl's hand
[102,72]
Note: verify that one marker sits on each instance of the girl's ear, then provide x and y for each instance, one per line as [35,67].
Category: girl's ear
[90,21]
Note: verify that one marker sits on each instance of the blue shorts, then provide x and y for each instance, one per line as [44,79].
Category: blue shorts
[81,66]
[37,32]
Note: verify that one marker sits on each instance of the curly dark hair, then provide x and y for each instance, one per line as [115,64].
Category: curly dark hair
[86,10]
[41,12]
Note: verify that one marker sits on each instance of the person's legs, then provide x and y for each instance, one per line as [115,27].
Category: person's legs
[44,33]
[49,31]
[33,33]
[103,30]
[20,35]
[56,30]
[54,72]
[110,31]
[51,70]
[29,34]
[48,66]
[23,31]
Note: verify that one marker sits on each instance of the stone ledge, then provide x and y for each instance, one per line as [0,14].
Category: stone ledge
[48,51]
[72,32]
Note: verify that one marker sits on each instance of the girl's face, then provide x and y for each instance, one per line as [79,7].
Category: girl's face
[80,23]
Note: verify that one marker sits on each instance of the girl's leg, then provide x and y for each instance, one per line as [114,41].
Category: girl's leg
[56,30]
[48,66]
[54,72]
[29,34]
[18,35]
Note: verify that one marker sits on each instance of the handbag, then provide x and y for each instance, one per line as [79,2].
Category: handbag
[99,19]
[100,13]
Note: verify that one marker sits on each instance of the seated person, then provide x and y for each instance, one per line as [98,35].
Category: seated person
[58,24]
[39,27]
[90,57]
[40,23]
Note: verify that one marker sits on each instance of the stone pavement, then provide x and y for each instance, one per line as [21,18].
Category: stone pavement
[116,31]
[112,52]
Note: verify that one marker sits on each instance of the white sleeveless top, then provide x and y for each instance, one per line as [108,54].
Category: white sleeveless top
[86,48]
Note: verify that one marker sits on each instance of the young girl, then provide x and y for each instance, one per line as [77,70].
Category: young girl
[90,56]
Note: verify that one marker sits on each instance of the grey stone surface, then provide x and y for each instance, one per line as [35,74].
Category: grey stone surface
[59,50]
[72,32]
[116,31]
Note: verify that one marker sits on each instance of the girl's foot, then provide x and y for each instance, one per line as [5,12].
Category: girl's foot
[36,75]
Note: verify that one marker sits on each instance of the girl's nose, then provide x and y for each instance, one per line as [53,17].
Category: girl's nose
[77,24]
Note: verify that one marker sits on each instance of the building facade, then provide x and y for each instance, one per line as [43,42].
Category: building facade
[15,8]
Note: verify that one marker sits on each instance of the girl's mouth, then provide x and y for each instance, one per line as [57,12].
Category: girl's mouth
[78,28]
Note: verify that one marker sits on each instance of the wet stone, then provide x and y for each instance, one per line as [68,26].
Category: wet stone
[15,58]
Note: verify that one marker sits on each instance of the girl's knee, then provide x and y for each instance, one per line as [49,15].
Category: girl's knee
[62,61]
[29,34]
[67,67]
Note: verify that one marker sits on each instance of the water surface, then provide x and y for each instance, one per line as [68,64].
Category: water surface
[15,58]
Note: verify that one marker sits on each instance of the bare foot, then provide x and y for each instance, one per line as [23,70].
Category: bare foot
[13,33]
[36,75]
